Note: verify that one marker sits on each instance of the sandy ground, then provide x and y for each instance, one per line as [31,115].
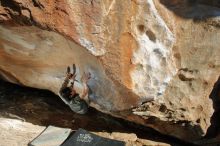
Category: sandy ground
[15,132]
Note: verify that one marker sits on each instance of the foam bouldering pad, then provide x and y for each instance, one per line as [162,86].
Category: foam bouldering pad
[51,136]
[84,138]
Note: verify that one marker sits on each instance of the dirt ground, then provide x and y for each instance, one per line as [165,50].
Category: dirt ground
[17,133]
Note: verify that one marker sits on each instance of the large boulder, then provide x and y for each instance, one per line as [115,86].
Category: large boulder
[153,62]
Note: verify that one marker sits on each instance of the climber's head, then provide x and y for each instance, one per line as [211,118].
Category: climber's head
[66,92]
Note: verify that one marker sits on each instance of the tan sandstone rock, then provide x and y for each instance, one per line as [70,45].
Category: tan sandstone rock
[153,62]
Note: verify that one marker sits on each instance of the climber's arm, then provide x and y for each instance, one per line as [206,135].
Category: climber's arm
[84,94]
[66,80]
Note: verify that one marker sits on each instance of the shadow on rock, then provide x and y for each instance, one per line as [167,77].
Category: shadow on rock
[214,129]
[198,10]
[44,108]
[212,137]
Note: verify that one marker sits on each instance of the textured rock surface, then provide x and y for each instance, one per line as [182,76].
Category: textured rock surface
[157,60]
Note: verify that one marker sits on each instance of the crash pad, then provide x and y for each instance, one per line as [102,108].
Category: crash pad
[51,136]
[84,138]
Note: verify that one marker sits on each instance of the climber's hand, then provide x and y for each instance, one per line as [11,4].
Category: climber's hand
[85,77]
[68,74]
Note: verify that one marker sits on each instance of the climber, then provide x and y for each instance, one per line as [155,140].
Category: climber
[74,93]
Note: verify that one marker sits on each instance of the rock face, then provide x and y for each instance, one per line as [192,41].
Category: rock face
[153,62]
